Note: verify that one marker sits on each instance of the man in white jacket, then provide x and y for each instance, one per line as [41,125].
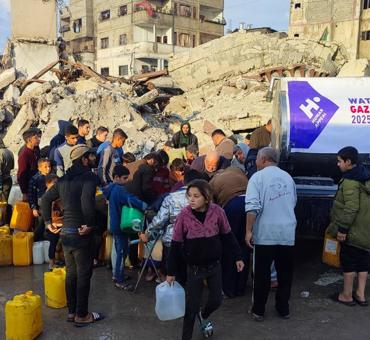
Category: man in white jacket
[269,203]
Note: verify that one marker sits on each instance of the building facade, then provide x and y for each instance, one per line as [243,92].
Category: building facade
[122,38]
[343,21]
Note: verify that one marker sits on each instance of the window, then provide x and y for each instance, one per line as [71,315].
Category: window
[184,40]
[123,70]
[194,12]
[175,9]
[194,41]
[365,35]
[185,11]
[77,25]
[122,11]
[175,38]
[104,71]
[123,39]
[104,43]
[159,39]
[105,15]
[297,5]
[366,4]
[296,35]
[165,39]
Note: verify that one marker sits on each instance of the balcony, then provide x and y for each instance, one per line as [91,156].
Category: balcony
[212,27]
[141,18]
[219,4]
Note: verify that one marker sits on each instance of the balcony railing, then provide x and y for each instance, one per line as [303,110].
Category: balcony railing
[219,4]
[161,19]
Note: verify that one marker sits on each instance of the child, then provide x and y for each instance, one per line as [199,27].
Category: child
[161,179]
[164,221]
[36,189]
[202,232]
[117,196]
[57,220]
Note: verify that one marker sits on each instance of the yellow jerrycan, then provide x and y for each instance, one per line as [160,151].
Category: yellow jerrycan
[23,317]
[4,230]
[22,216]
[55,290]
[22,248]
[6,250]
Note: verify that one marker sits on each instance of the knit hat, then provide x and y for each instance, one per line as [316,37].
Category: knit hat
[78,151]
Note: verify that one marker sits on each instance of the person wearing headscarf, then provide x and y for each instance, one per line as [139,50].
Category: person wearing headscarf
[184,137]
[240,155]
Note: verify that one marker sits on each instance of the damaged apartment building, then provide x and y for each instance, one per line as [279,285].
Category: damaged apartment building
[122,38]
[343,21]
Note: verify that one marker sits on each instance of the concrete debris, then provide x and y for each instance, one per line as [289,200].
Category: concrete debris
[225,83]
[356,68]
[7,77]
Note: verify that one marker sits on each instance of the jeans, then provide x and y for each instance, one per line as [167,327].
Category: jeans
[263,258]
[194,290]
[122,248]
[53,239]
[78,254]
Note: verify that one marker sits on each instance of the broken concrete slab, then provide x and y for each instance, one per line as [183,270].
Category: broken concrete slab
[356,68]
[147,98]
[7,77]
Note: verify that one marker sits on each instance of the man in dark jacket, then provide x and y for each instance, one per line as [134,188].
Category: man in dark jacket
[141,184]
[350,218]
[99,138]
[76,190]
[210,163]
[184,137]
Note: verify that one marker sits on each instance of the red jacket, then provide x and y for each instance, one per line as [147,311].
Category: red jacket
[27,167]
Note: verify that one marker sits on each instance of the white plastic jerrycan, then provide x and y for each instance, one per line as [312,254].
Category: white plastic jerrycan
[38,253]
[170,301]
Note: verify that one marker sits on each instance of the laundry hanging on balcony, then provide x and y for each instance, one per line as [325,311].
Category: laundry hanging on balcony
[145,5]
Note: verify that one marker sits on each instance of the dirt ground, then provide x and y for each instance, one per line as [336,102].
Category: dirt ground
[132,316]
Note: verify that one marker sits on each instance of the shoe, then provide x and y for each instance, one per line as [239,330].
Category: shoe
[364,303]
[206,327]
[335,298]
[257,318]
[150,276]
[124,286]
[95,317]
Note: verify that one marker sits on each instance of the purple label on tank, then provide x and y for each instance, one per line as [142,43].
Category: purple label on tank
[310,112]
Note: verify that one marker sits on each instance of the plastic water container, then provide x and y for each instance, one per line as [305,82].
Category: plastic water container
[46,251]
[170,301]
[15,195]
[23,317]
[55,292]
[22,248]
[38,253]
[6,250]
[4,230]
[22,216]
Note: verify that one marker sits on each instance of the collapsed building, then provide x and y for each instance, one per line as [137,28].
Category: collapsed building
[222,84]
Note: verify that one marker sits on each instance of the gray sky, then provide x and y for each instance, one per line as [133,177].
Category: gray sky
[271,13]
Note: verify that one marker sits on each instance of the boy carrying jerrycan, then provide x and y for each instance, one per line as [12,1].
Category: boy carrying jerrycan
[118,197]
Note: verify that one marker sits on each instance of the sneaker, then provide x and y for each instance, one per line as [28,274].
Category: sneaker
[206,327]
[257,318]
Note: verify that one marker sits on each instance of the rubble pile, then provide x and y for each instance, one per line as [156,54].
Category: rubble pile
[225,83]
[226,80]
[108,102]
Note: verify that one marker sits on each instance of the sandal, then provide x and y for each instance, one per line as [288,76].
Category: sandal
[335,298]
[125,286]
[71,317]
[364,303]
[95,318]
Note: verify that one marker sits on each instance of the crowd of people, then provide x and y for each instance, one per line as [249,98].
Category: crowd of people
[211,212]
